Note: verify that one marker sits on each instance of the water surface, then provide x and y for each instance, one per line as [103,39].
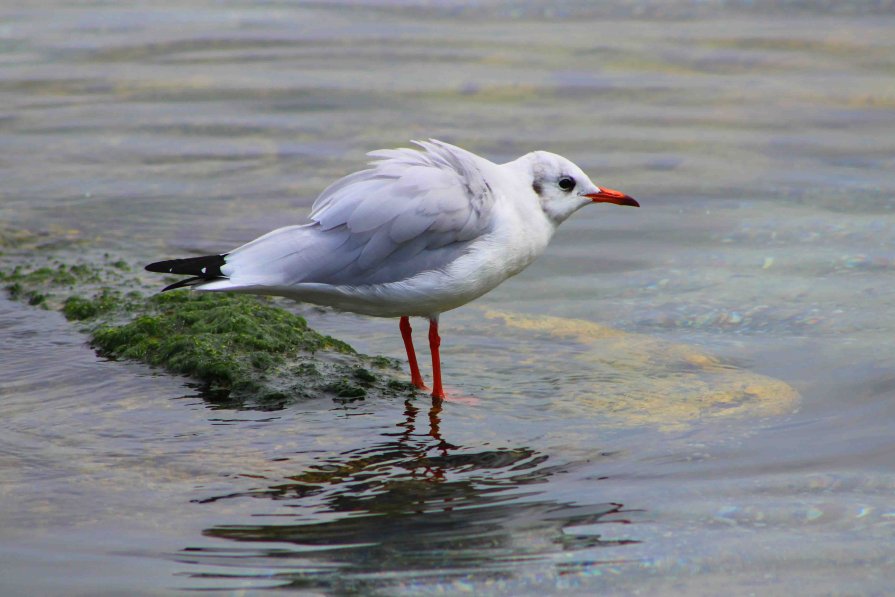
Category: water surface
[759,139]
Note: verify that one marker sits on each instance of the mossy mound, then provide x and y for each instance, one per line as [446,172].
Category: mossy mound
[238,343]
[240,347]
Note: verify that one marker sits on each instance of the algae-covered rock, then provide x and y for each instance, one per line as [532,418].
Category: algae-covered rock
[242,344]
[239,346]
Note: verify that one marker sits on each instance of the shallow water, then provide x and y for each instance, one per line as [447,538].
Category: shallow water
[760,142]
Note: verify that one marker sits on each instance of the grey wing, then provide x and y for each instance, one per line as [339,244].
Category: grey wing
[411,212]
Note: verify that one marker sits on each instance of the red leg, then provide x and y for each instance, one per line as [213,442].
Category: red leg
[415,378]
[434,343]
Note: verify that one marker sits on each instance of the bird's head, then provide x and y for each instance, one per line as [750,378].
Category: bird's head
[563,188]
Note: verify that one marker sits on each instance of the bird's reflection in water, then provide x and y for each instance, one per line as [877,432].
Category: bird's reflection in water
[412,508]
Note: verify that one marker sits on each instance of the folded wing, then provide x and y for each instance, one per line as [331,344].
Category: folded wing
[410,212]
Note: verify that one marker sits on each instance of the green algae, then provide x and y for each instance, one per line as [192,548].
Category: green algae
[240,347]
[228,341]
[51,285]
[60,275]
[18,292]
[78,308]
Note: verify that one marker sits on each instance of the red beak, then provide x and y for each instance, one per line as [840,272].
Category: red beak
[609,196]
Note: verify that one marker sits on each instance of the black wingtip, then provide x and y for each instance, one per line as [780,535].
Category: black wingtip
[208,266]
[184,283]
[201,269]
[158,266]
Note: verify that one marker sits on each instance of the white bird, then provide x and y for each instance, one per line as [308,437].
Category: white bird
[418,233]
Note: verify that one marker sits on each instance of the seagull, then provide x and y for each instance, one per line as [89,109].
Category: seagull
[419,232]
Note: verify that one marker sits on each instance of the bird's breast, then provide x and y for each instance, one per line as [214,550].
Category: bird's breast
[507,250]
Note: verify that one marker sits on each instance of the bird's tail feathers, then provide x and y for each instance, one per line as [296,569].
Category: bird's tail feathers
[202,269]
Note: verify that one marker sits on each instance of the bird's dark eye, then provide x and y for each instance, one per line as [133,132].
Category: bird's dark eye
[566,183]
